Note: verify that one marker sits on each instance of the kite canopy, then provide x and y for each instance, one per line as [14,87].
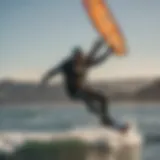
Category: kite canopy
[104,22]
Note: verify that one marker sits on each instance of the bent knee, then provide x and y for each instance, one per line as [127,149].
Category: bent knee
[103,97]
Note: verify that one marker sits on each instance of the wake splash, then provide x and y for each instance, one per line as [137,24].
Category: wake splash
[104,142]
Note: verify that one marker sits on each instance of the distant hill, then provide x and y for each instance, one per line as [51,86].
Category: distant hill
[11,92]
[151,92]
[18,92]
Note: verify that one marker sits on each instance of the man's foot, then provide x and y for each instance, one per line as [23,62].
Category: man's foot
[125,128]
[122,127]
[111,123]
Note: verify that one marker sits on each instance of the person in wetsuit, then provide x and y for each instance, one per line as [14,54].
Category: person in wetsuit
[75,69]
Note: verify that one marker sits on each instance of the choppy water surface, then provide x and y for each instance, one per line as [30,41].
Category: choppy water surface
[56,117]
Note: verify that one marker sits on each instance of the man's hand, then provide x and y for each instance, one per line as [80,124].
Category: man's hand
[51,73]
[110,50]
[42,85]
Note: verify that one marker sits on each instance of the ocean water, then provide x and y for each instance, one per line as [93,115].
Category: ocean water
[62,117]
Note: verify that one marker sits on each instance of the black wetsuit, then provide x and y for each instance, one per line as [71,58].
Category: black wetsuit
[95,101]
[72,76]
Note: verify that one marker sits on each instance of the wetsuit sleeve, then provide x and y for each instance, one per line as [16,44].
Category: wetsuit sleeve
[101,58]
[98,44]
[51,73]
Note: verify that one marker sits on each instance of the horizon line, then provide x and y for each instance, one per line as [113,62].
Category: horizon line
[121,79]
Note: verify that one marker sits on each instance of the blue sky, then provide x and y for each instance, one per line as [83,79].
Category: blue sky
[36,34]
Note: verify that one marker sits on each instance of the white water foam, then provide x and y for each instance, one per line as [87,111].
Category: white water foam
[115,145]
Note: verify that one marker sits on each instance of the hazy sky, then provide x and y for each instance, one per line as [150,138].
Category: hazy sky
[36,34]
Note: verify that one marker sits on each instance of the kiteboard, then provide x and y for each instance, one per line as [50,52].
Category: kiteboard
[106,25]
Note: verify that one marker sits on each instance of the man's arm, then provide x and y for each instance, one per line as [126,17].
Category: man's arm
[51,73]
[101,58]
[97,45]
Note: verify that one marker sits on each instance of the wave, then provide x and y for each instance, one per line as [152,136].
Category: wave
[96,136]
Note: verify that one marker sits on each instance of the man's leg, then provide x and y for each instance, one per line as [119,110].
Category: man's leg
[97,103]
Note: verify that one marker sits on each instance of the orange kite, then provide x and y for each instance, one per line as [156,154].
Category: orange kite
[104,22]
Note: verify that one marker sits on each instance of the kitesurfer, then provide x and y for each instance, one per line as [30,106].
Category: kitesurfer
[74,70]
